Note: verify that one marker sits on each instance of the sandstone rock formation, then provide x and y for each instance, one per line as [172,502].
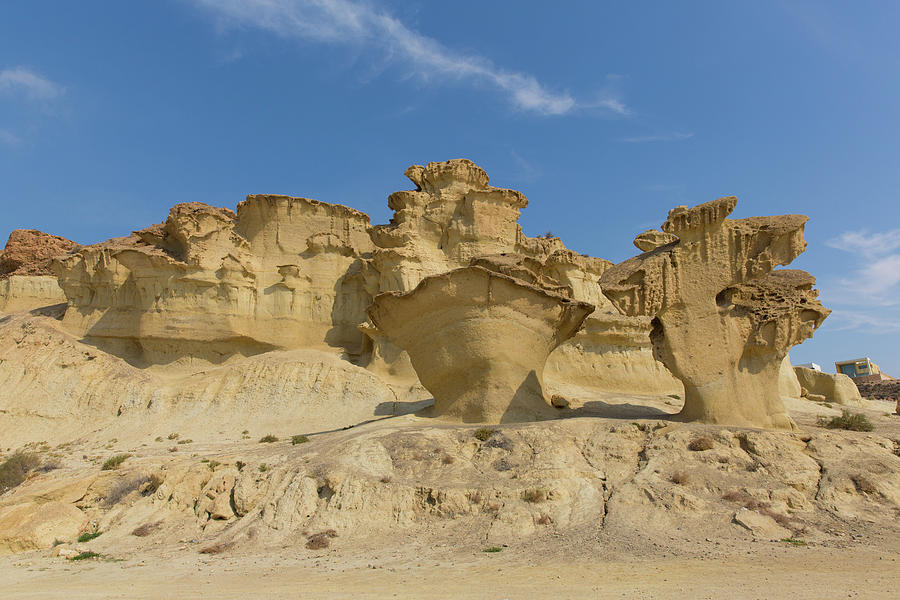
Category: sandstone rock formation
[723,319]
[835,387]
[478,340]
[282,273]
[455,218]
[26,280]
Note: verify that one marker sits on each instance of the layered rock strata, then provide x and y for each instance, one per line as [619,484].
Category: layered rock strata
[722,319]
[478,340]
[281,273]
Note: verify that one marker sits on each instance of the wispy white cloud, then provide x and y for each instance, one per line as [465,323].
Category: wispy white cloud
[9,138]
[22,81]
[866,322]
[867,244]
[875,279]
[675,136]
[358,22]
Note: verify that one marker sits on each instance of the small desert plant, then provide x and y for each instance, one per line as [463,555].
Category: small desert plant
[159,438]
[680,477]
[701,443]
[174,436]
[113,462]
[85,556]
[145,484]
[240,465]
[268,439]
[15,469]
[535,496]
[86,537]
[483,433]
[848,420]
[263,468]
[448,460]
[217,548]
[187,441]
[864,484]
[544,519]
[794,542]
[299,439]
[493,549]
[147,529]
[386,479]
[320,541]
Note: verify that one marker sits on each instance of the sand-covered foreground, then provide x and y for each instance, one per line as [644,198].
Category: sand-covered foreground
[768,570]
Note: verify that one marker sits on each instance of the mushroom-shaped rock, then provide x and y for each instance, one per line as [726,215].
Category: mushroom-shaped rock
[723,321]
[478,341]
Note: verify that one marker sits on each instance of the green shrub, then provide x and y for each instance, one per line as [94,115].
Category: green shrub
[268,439]
[85,555]
[493,549]
[849,421]
[15,469]
[793,542]
[174,436]
[484,433]
[299,439]
[86,537]
[113,462]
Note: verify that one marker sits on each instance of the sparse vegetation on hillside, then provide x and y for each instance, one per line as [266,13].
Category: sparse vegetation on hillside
[145,484]
[268,439]
[114,462]
[299,439]
[15,469]
[85,556]
[86,537]
[535,496]
[848,420]
[701,443]
[483,433]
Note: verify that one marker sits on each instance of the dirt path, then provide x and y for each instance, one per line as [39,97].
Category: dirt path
[796,573]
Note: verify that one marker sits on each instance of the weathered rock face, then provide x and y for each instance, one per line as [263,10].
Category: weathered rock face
[455,218]
[28,252]
[835,387]
[26,280]
[281,273]
[723,320]
[211,285]
[478,341]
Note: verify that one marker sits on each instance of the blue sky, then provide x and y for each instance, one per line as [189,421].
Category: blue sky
[605,114]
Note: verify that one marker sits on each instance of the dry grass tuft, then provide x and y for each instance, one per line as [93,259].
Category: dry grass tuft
[217,548]
[535,496]
[680,477]
[114,462]
[482,434]
[147,529]
[864,485]
[15,469]
[701,443]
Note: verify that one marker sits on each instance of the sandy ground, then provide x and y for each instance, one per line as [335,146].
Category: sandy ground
[773,571]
